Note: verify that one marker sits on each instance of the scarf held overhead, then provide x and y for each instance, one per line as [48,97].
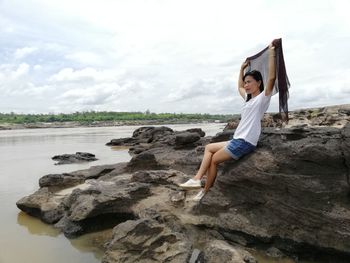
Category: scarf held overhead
[260,62]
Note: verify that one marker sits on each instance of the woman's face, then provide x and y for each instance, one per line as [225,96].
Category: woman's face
[251,86]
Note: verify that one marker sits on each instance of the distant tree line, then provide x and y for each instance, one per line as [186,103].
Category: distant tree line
[93,116]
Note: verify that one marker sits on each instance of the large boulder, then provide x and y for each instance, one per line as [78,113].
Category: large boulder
[293,187]
[146,240]
[225,135]
[143,161]
[186,139]
[104,204]
[43,205]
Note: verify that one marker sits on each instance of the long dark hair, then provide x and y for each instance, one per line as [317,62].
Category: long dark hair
[257,76]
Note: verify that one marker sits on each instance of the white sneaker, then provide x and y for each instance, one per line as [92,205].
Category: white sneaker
[199,196]
[191,183]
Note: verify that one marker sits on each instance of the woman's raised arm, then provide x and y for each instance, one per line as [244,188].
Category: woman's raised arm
[241,89]
[272,70]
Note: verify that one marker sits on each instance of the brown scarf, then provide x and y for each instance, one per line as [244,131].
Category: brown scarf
[260,62]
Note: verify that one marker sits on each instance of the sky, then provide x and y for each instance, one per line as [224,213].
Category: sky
[182,56]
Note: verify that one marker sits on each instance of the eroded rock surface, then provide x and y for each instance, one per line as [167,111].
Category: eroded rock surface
[291,194]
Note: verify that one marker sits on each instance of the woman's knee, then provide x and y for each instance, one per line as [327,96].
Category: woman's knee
[219,157]
[215,160]
[214,147]
[209,147]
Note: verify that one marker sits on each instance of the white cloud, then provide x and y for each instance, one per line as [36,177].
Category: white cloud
[10,73]
[68,74]
[85,58]
[166,56]
[37,67]
[21,53]
[86,74]
[22,70]
[95,95]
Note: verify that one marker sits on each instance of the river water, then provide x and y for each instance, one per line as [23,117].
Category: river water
[25,156]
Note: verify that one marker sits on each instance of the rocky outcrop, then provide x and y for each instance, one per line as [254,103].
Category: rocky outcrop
[292,192]
[219,249]
[144,161]
[336,116]
[43,205]
[145,138]
[74,158]
[104,204]
[290,197]
[147,239]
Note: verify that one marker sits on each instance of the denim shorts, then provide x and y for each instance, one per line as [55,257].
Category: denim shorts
[238,148]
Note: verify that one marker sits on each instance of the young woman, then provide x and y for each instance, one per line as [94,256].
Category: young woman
[257,100]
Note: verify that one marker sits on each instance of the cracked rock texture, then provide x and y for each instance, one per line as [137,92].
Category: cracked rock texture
[290,197]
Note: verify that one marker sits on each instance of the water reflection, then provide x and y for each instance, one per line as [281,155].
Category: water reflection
[35,226]
[89,243]
[93,242]
[119,148]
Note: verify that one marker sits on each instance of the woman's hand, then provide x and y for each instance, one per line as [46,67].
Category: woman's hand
[272,70]
[245,64]
[240,79]
[272,51]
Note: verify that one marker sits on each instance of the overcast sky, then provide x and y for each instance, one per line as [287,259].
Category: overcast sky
[165,55]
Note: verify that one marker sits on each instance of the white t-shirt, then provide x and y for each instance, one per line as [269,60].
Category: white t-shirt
[249,128]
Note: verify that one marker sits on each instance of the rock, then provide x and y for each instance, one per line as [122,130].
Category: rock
[182,159]
[197,256]
[138,149]
[177,197]
[62,180]
[274,252]
[100,171]
[345,150]
[146,240]
[122,142]
[151,134]
[221,251]
[291,185]
[233,123]
[76,210]
[65,180]
[345,111]
[74,158]
[189,161]
[159,177]
[42,204]
[145,138]
[200,132]
[336,116]
[143,161]
[226,135]
[186,139]
[101,206]
[291,194]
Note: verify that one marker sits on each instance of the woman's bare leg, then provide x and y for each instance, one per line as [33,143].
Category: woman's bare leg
[218,157]
[210,149]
